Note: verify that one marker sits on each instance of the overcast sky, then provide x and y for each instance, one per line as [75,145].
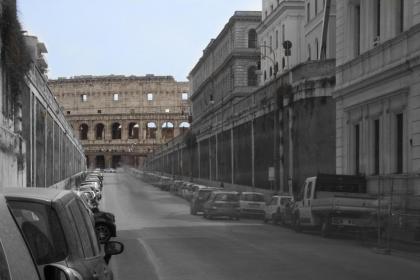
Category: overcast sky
[126,37]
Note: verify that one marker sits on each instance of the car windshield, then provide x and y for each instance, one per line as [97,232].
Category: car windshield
[253,197]
[204,194]
[226,197]
[42,230]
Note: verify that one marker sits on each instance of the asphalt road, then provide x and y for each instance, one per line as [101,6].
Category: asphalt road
[163,241]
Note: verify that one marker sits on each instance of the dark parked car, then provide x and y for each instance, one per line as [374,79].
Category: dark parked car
[59,230]
[104,221]
[198,199]
[222,204]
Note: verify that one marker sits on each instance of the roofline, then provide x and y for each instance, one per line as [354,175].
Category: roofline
[237,16]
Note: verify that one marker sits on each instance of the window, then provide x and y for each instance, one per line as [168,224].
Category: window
[376,147]
[116,131]
[99,111]
[150,97]
[115,97]
[151,130]
[184,96]
[252,38]
[265,48]
[84,129]
[357,149]
[309,52]
[399,142]
[272,7]
[277,39]
[283,33]
[309,190]
[252,76]
[316,49]
[100,129]
[81,230]
[308,12]
[357,30]
[83,97]
[316,7]
[42,230]
[400,16]
[271,44]
[167,110]
[378,18]
[68,112]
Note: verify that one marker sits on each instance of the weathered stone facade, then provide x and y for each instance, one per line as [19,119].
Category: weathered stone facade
[119,119]
[239,131]
[37,146]
[377,95]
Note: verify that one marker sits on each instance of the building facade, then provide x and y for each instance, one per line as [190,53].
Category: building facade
[377,96]
[37,147]
[305,24]
[120,120]
[226,73]
[284,127]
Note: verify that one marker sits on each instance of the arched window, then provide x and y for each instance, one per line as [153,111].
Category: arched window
[167,130]
[116,130]
[133,130]
[309,52]
[252,38]
[184,126]
[316,49]
[265,75]
[84,129]
[252,76]
[271,71]
[100,131]
[151,130]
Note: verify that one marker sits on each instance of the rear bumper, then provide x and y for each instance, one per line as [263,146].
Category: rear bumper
[233,212]
[257,212]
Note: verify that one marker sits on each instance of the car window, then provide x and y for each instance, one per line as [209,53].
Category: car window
[42,230]
[204,194]
[81,229]
[274,201]
[226,197]
[88,223]
[4,267]
[309,190]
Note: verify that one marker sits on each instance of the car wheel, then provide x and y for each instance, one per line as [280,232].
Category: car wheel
[103,232]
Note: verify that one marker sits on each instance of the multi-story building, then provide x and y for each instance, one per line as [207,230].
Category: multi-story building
[37,147]
[284,128]
[378,94]
[301,22]
[225,73]
[121,119]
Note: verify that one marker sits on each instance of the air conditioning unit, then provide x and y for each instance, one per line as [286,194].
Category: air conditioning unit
[376,41]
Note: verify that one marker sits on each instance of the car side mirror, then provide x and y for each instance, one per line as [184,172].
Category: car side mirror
[60,272]
[112,248]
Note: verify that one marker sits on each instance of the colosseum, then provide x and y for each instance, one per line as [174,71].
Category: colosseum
[119,119]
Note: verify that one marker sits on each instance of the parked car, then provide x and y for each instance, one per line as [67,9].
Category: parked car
[279,209]
[59,234]
[104,222]
[16,261]
[187,191]
[200,196]
[252,204]
[93,186]
[94,178]
[222,204]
